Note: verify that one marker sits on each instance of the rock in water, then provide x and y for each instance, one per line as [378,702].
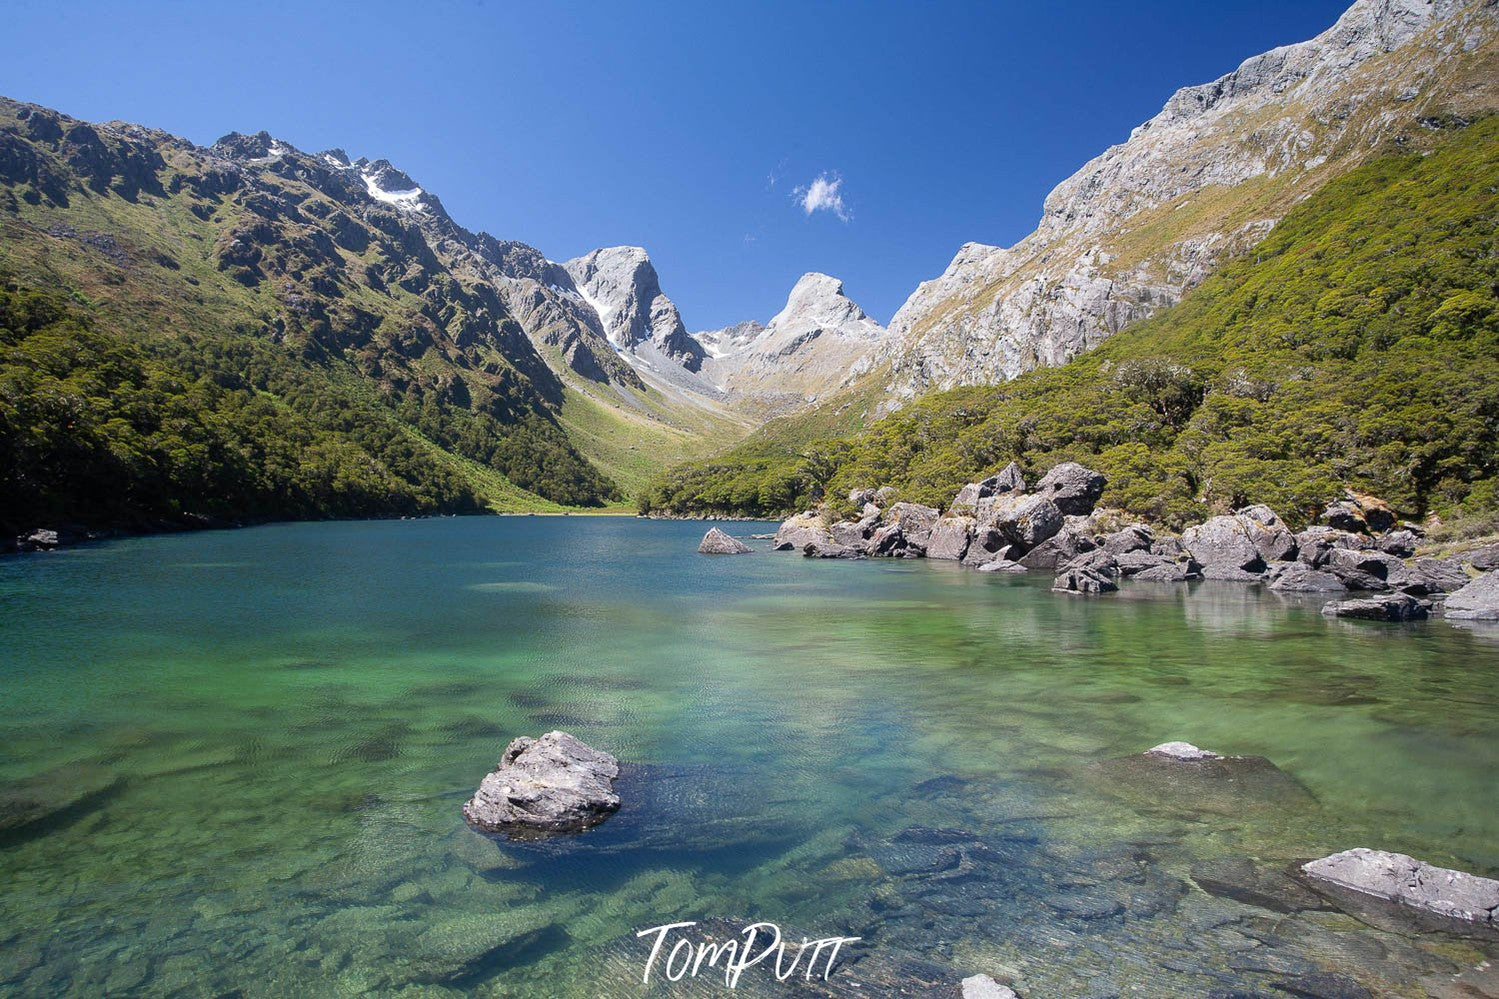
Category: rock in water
[554,784]
[1083,580]
[1180,777]
[1394,607]
[803,529]
[1393,891]
[984,987]
[1478,601]
[716,542]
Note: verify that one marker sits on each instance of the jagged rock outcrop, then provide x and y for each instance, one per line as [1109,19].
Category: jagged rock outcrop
[818,343]
[621,285]
[1148,219]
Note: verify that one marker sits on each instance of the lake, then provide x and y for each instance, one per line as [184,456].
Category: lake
[241,758]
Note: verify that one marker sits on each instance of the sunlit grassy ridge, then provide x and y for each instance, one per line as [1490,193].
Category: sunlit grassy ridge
[1356,345]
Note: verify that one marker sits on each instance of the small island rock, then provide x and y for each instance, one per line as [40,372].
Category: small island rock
[554,784]
[716,542]
[1394,891]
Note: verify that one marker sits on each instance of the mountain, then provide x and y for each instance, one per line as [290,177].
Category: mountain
[620,284]
[818,343]
[1356,347]
[1196,185]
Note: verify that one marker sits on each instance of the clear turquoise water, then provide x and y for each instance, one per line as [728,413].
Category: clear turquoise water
[263,738]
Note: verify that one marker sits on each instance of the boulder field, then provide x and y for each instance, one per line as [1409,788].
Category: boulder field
[1359,553]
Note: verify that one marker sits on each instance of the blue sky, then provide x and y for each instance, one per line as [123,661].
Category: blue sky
[687,128]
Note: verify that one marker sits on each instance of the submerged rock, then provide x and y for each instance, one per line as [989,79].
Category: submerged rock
[1397,892]
[984,987]
[1395,607]
[555,784]
[716,542]
[1182,777]
[457,950]
[1242,880]
[37,805]
[1478,601]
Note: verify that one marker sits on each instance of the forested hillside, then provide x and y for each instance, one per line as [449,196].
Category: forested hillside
[190,336]
[1356,345]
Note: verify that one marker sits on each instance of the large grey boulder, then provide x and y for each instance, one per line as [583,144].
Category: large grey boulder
[1269,535]
[903,531]
[1072,487]
[1483,559]
[1019,520]
[1223,547]
[1298,577]
[1386,607]
[1132,563]
[1057,550]
[716,542]
[1136,537]
[1397,892]
[1363,569]
[1010,480]
[1175,572]
[950,538]
[1316,543]
[1082,580]
[1401,543]
[1360,514]
[554,784]
[801,530]
[848,532]
[1430,577]
[1478,601]
[834,550]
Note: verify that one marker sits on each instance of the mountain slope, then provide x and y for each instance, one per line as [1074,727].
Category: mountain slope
[818,343]
[1357,346]
[298,279]
[1194,186]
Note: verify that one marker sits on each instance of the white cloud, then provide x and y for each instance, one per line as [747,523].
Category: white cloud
[825,194]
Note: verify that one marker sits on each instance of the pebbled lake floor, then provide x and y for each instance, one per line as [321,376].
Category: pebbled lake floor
[232,763]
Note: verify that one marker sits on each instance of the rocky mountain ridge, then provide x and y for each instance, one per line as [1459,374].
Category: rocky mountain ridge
[1203,180]
[819,342]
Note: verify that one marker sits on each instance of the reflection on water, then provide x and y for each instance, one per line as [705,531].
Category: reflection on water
[235,760]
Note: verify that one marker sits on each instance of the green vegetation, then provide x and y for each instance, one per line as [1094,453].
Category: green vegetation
[184,342]
[95,431]
[1356,346]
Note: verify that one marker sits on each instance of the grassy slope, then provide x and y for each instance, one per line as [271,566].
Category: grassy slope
[129,292]
[1358,345]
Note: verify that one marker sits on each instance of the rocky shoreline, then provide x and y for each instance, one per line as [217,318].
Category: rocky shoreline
[1359,553]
